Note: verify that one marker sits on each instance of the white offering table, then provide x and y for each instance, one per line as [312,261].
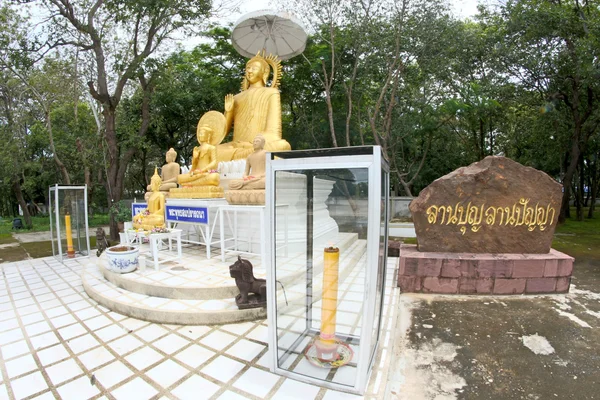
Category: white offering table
[132,237]
[157,246]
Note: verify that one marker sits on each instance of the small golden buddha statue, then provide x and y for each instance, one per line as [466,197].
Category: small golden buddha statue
[154,215]
[256,110]
[169,173]
[203,179]
[251,189]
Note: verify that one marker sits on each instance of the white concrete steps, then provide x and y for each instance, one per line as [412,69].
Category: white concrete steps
[174,282]
[165,310]
[197,291]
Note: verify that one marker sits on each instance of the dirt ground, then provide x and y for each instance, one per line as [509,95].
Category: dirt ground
[509,347]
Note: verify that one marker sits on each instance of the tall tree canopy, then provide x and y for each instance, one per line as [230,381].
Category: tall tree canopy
[436,92]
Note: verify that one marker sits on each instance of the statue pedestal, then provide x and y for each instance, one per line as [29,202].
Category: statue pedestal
[197,192]
[246,197]
[294,197]
[294,214]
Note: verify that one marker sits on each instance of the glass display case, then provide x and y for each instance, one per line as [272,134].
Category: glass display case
[326,259]
[69,221]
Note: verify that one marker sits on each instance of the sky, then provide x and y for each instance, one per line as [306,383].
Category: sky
[461,8]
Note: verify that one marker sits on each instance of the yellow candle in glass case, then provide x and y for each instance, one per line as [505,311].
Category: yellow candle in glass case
[331,262]
[70,251]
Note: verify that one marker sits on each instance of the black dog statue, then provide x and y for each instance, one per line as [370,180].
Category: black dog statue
[101,241]
[253,291]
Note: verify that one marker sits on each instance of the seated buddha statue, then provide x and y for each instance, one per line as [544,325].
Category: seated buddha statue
[203,179]
[169,173]
[251,188]
[154,215]
[256,110]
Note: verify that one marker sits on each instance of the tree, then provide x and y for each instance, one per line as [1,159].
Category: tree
[552,48]
[120,36]
[371,61]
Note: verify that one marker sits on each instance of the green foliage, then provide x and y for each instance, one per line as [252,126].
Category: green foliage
[42,224]
[519,80]
[121,211]
[185,85]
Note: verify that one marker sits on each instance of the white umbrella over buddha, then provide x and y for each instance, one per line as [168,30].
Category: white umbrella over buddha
[270,32]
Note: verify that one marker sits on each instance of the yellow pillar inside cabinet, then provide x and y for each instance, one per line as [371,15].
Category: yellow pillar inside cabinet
[331,263]
[70,251]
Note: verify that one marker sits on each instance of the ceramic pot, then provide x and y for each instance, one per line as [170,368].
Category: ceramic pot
[122,259]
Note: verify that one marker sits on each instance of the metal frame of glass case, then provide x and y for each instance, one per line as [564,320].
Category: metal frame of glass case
[72,201]
[324,310]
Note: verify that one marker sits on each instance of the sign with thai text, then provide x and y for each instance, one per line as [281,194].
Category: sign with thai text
[137,208]
[195,215]
[471,217]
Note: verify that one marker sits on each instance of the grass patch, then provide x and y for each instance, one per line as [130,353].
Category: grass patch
[7,238]
[579,239]
[38,249]
[42,223]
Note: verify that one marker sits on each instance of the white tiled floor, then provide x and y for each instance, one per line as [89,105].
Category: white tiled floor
[57,343]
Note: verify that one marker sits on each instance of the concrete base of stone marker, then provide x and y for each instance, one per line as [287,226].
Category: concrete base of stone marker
[470,273]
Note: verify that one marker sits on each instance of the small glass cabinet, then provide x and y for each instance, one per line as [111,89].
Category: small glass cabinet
[326,259]
[69,221]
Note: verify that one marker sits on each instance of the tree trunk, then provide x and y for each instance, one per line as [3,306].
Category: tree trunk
[407,191]
[87,175]
[113,190]
[580,190]
[119,160]
[481,140]
[569,173]
[16,184]
[594,175]
[61,167]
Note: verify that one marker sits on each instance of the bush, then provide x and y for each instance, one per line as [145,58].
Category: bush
[121,211]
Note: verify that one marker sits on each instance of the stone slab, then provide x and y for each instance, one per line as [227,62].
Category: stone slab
[486,273]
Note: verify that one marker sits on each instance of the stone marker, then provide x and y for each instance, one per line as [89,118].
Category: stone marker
[492,206]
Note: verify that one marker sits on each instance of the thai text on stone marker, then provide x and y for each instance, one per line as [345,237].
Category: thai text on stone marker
[472,216]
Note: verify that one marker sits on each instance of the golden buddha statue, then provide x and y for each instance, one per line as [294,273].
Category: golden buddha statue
[256,110]
[154,215]
[203,179]
[251,189]
[168,173]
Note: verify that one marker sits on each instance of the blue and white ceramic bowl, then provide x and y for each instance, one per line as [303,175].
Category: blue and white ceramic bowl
[122,259]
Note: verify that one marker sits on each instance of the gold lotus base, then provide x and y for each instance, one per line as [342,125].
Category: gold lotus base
[328,355]
[197,192]
[247,197]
